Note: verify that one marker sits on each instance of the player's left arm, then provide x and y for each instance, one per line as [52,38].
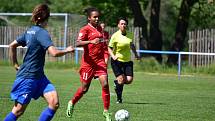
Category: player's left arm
[133,48]
[13,55]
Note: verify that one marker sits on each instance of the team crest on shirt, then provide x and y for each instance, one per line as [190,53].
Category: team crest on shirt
[80,34]
[93,34]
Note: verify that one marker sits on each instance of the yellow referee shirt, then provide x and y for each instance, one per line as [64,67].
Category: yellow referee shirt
[121,45]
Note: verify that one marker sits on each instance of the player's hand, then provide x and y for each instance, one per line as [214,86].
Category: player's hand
[17,67]
[70,49]
[95,41]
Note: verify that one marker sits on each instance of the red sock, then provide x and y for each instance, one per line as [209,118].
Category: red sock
[106,97]
[79,93]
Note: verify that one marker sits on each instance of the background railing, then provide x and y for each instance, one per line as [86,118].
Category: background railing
[77,55]
[202,41]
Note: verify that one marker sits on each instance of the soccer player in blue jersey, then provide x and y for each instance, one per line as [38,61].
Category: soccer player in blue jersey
[31,81]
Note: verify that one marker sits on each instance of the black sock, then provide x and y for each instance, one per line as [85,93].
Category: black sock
[117,89]
[120,91]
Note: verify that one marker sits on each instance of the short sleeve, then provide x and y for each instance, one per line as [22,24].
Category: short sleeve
[112,41]
[130,35]
[21,40]
[82,35]
[44,39]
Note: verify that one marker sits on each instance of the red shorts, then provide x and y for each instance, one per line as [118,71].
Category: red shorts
[88,72]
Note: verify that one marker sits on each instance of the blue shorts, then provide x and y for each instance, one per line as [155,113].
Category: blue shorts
[25,89]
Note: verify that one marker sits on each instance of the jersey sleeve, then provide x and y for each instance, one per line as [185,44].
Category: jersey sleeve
[82,35]
[112,41]
[44,39]
[130,35]
[21,40]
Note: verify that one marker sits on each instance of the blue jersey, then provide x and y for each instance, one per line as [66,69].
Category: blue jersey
[37,41]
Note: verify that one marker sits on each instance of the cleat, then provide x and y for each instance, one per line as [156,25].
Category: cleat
[70,109]
[107,116]
[119,101]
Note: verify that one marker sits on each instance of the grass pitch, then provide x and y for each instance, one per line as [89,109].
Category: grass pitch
[152,97]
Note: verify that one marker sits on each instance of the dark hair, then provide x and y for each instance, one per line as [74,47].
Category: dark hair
[122,18]
[40,13]
[88,11]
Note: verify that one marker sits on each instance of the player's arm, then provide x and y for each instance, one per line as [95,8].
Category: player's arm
[110,50]
[56,53]
[80,43]
[133,48]
[13,55]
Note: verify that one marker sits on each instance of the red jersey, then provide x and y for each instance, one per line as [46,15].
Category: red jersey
[93,53]
[106,39]
[105,35]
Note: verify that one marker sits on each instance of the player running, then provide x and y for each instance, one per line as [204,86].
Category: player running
[93,64]
[119,48]
[31,81]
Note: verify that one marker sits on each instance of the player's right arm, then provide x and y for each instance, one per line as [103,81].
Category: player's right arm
[80,43]
[13,55]
[83,38]
[111,47]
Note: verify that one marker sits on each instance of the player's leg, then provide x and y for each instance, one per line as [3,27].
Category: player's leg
[129,79]
[86,75]
[128,70]
[118,83]
[47,90]
[77,96]
[126,78]
[21,93]
[105,96]
[105,91]
[51,98]
[17,111]
[101,71]
[119,87]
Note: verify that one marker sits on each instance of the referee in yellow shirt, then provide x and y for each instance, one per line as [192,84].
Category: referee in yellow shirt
[119,48]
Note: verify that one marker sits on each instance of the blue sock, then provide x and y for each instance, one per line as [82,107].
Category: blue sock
[10,117]
[47,114]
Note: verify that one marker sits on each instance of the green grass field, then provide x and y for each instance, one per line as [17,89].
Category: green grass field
[152,97]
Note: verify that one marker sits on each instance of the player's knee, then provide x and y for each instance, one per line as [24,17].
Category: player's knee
[120,80]
[84,90]
[105,86]
[129,81]
[19,113]
[54,104]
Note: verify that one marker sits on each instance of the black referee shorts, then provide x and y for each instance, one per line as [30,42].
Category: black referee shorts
[120,68]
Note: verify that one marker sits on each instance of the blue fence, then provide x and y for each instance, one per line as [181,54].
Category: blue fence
[158,52]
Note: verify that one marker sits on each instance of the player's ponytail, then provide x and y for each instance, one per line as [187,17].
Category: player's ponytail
[88,11]
[40,14]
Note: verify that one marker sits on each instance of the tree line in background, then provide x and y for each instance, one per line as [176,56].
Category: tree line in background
[164,23]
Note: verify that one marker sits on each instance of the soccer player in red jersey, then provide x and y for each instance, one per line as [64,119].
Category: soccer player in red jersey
[93,63]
